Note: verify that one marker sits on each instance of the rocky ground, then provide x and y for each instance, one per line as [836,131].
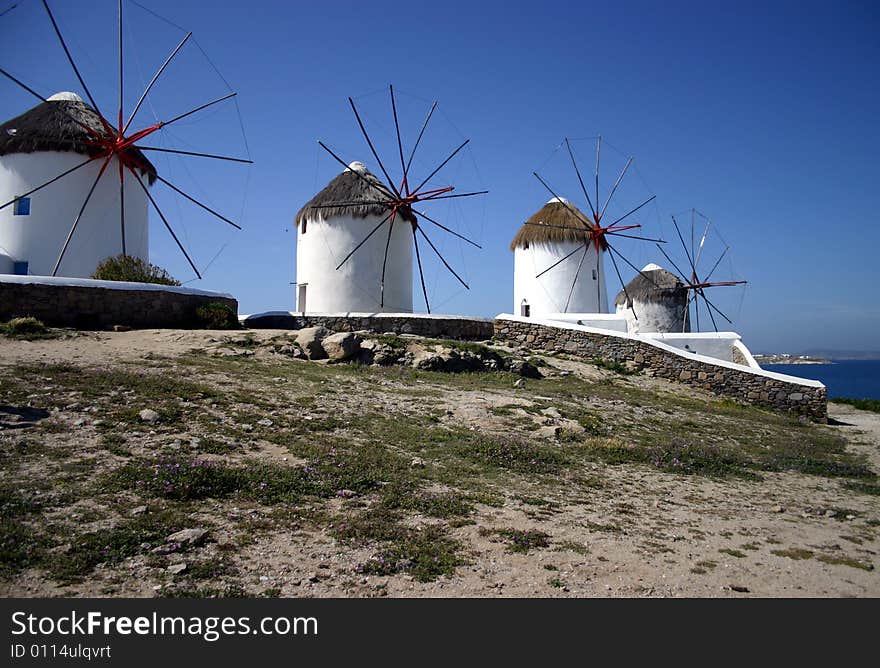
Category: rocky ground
[195,463]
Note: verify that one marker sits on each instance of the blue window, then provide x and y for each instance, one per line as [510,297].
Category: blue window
[22,206]
[20,268]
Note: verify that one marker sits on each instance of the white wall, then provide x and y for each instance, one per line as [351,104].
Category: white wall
[549,293]
[711,344]
[39,237]
[355,287]
[612,321]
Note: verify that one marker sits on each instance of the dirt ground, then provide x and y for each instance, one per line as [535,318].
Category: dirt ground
[598,509]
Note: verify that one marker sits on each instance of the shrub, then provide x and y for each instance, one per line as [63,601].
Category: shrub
[217,315]
[24,328]
[128,268]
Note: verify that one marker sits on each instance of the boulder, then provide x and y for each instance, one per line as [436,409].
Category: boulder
[524,369]
[188,537]
[309,340]
[341,346]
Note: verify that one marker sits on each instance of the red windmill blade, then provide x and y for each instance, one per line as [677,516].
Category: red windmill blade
[107,142]
[596,233]
[696,285]
[400,200]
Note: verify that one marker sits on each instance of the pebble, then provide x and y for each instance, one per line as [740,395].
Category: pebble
[139,510]
[148,415]
[265,422]
[174,569]
[188,536]
[777,509]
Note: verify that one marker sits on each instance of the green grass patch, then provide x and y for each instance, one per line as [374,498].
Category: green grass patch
[872,405]
[426,552]
[519,540]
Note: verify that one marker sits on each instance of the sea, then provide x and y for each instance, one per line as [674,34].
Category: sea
[854,379]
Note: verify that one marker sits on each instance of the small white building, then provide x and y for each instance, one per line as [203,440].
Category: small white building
[333,277]
[573,285]
[655,301]
[40,145]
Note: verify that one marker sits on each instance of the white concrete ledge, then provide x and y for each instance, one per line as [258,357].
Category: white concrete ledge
[107,285]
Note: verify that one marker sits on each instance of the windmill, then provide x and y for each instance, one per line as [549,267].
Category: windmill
[398,199]
[113,147]
[586,234]
[700,279]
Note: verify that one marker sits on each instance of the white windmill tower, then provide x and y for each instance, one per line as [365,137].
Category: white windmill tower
[330,276]
[544,285]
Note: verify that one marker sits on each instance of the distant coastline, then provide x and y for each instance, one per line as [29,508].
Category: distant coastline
[784,358]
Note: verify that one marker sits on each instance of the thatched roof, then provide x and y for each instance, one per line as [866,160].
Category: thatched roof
[555,222]
[52,126]
[352,185]
[659,286]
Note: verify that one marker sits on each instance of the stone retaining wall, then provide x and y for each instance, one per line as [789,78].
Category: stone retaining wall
[441,327]
[744,384]
[93,307]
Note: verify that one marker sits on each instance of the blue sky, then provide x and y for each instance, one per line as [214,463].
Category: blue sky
[761,115]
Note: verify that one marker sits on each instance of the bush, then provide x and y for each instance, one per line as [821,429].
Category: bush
[128,268]
[217,315]
[28,329]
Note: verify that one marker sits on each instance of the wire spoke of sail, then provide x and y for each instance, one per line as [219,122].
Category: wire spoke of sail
[421,273]
[709,309]
[51,181]
[165,221]
[79,215]
[75,68]
[702,242]
[441,166]
[632,236]
[404,184]
[193,153]
[121,71]
[372,148]
[122,205]
[363,178]
[562,201]
[684,246]
[558,262]
[717,310]
[204,106]
[435,197]
[686,315]
[442,259]
[580,180]
[365,240]
[627,215]
[443,227]
[629,302]
[197,202]
[614,189]
[418,141]
[576,274]
[385,259]
[153,81]
[674,266]
[717,262]
[631,265]
[598,145]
